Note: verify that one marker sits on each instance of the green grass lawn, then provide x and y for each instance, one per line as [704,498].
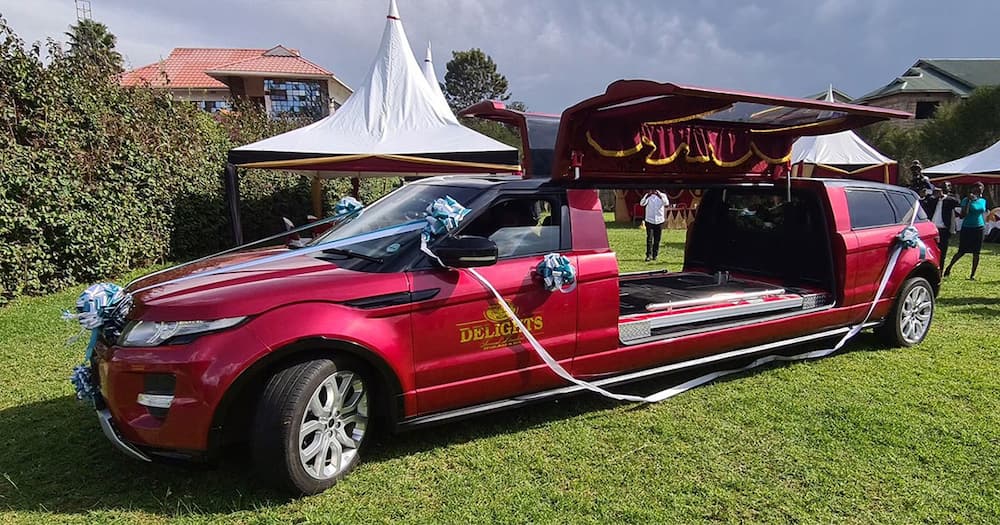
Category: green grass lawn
[868,435]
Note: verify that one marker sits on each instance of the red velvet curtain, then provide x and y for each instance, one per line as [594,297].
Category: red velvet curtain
[679,145]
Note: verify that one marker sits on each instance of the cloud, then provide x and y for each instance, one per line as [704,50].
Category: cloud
[557,52]
[831,9]
[34,21]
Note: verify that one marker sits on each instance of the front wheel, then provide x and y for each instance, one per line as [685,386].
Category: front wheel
[311,424]
[910,318]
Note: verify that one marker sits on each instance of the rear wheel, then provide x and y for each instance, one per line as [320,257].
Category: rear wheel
[910,318]
[311,424]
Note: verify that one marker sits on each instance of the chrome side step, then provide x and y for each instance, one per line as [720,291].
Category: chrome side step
[643,329]
[630,340]
[502,404]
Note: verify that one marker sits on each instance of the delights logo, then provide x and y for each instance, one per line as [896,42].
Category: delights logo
[496,330]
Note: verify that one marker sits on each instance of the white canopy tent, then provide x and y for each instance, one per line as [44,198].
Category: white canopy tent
[395,124]
[845,148]
[983,166]
[432,79]
[841,155]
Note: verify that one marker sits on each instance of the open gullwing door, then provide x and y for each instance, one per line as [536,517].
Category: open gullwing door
[640,130]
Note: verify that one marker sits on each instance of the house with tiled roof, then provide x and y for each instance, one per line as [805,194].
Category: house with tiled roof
[279,78]
[932,81]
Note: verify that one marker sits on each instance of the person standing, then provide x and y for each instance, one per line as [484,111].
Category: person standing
[918,181]
[970,237]
[655,203]
[940,206]
[930,201]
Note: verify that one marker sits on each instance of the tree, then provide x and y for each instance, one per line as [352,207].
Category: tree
[92,43]
[958,129]
[901,144]
[473,77]
[963,127]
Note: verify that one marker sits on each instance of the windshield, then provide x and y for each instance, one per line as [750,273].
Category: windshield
[389,226]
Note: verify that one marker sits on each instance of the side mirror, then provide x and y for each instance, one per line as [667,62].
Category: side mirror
[466,251]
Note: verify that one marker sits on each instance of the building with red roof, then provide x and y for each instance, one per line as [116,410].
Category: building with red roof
[280,78]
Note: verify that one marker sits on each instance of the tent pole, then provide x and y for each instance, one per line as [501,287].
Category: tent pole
[231,183]
[317,197]
[356,188]
[788,180]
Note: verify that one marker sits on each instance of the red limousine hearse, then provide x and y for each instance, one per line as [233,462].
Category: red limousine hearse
[306,356]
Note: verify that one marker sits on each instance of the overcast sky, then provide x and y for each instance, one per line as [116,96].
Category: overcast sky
[557,52]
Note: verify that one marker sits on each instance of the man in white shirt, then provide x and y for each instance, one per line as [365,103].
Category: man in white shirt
[655,202]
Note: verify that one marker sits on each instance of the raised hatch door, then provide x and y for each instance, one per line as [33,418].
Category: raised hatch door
[644,131]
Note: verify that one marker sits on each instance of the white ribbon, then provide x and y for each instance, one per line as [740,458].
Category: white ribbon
[540,350]
[336,243]
[688,385]
[346,207]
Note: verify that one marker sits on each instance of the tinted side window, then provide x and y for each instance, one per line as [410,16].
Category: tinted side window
[869,208]
[903,203]
[522,226]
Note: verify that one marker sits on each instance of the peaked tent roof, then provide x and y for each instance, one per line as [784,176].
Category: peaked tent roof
[841,149]
[845,148]
[986,161]
[392,123]
[432,79]
[832,94]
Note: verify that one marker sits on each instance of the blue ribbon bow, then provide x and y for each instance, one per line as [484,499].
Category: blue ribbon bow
[443,216]
[347,205]
[910,238]
[557,273]
[94,308]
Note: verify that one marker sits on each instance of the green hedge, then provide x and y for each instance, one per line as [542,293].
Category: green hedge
[96,179]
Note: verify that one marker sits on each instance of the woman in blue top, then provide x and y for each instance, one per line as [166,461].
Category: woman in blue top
[970,238]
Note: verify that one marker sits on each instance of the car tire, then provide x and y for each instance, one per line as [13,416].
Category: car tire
[311,424]
[910,319]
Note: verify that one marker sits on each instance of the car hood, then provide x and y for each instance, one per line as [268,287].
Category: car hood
[253,290]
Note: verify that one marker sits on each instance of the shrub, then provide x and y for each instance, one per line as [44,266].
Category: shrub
[97,179]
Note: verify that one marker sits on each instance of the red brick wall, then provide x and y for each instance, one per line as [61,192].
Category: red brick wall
[908,102]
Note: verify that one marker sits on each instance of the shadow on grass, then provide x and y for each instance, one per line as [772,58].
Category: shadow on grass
[967,301]
[981,307]
[55,458]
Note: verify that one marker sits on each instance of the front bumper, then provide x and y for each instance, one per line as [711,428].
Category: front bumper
[163,400]
[108,427]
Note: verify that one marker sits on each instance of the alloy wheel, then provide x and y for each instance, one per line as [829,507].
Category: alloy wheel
[915,315]
[333,425]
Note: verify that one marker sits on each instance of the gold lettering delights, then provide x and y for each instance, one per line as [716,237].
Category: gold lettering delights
[496,330]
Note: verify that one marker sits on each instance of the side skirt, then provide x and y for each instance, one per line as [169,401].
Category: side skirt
[493,406]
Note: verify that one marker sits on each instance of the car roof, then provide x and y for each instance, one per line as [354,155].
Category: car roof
[490,181]
[852,183]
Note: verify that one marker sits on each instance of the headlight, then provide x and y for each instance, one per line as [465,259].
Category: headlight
[155,333]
